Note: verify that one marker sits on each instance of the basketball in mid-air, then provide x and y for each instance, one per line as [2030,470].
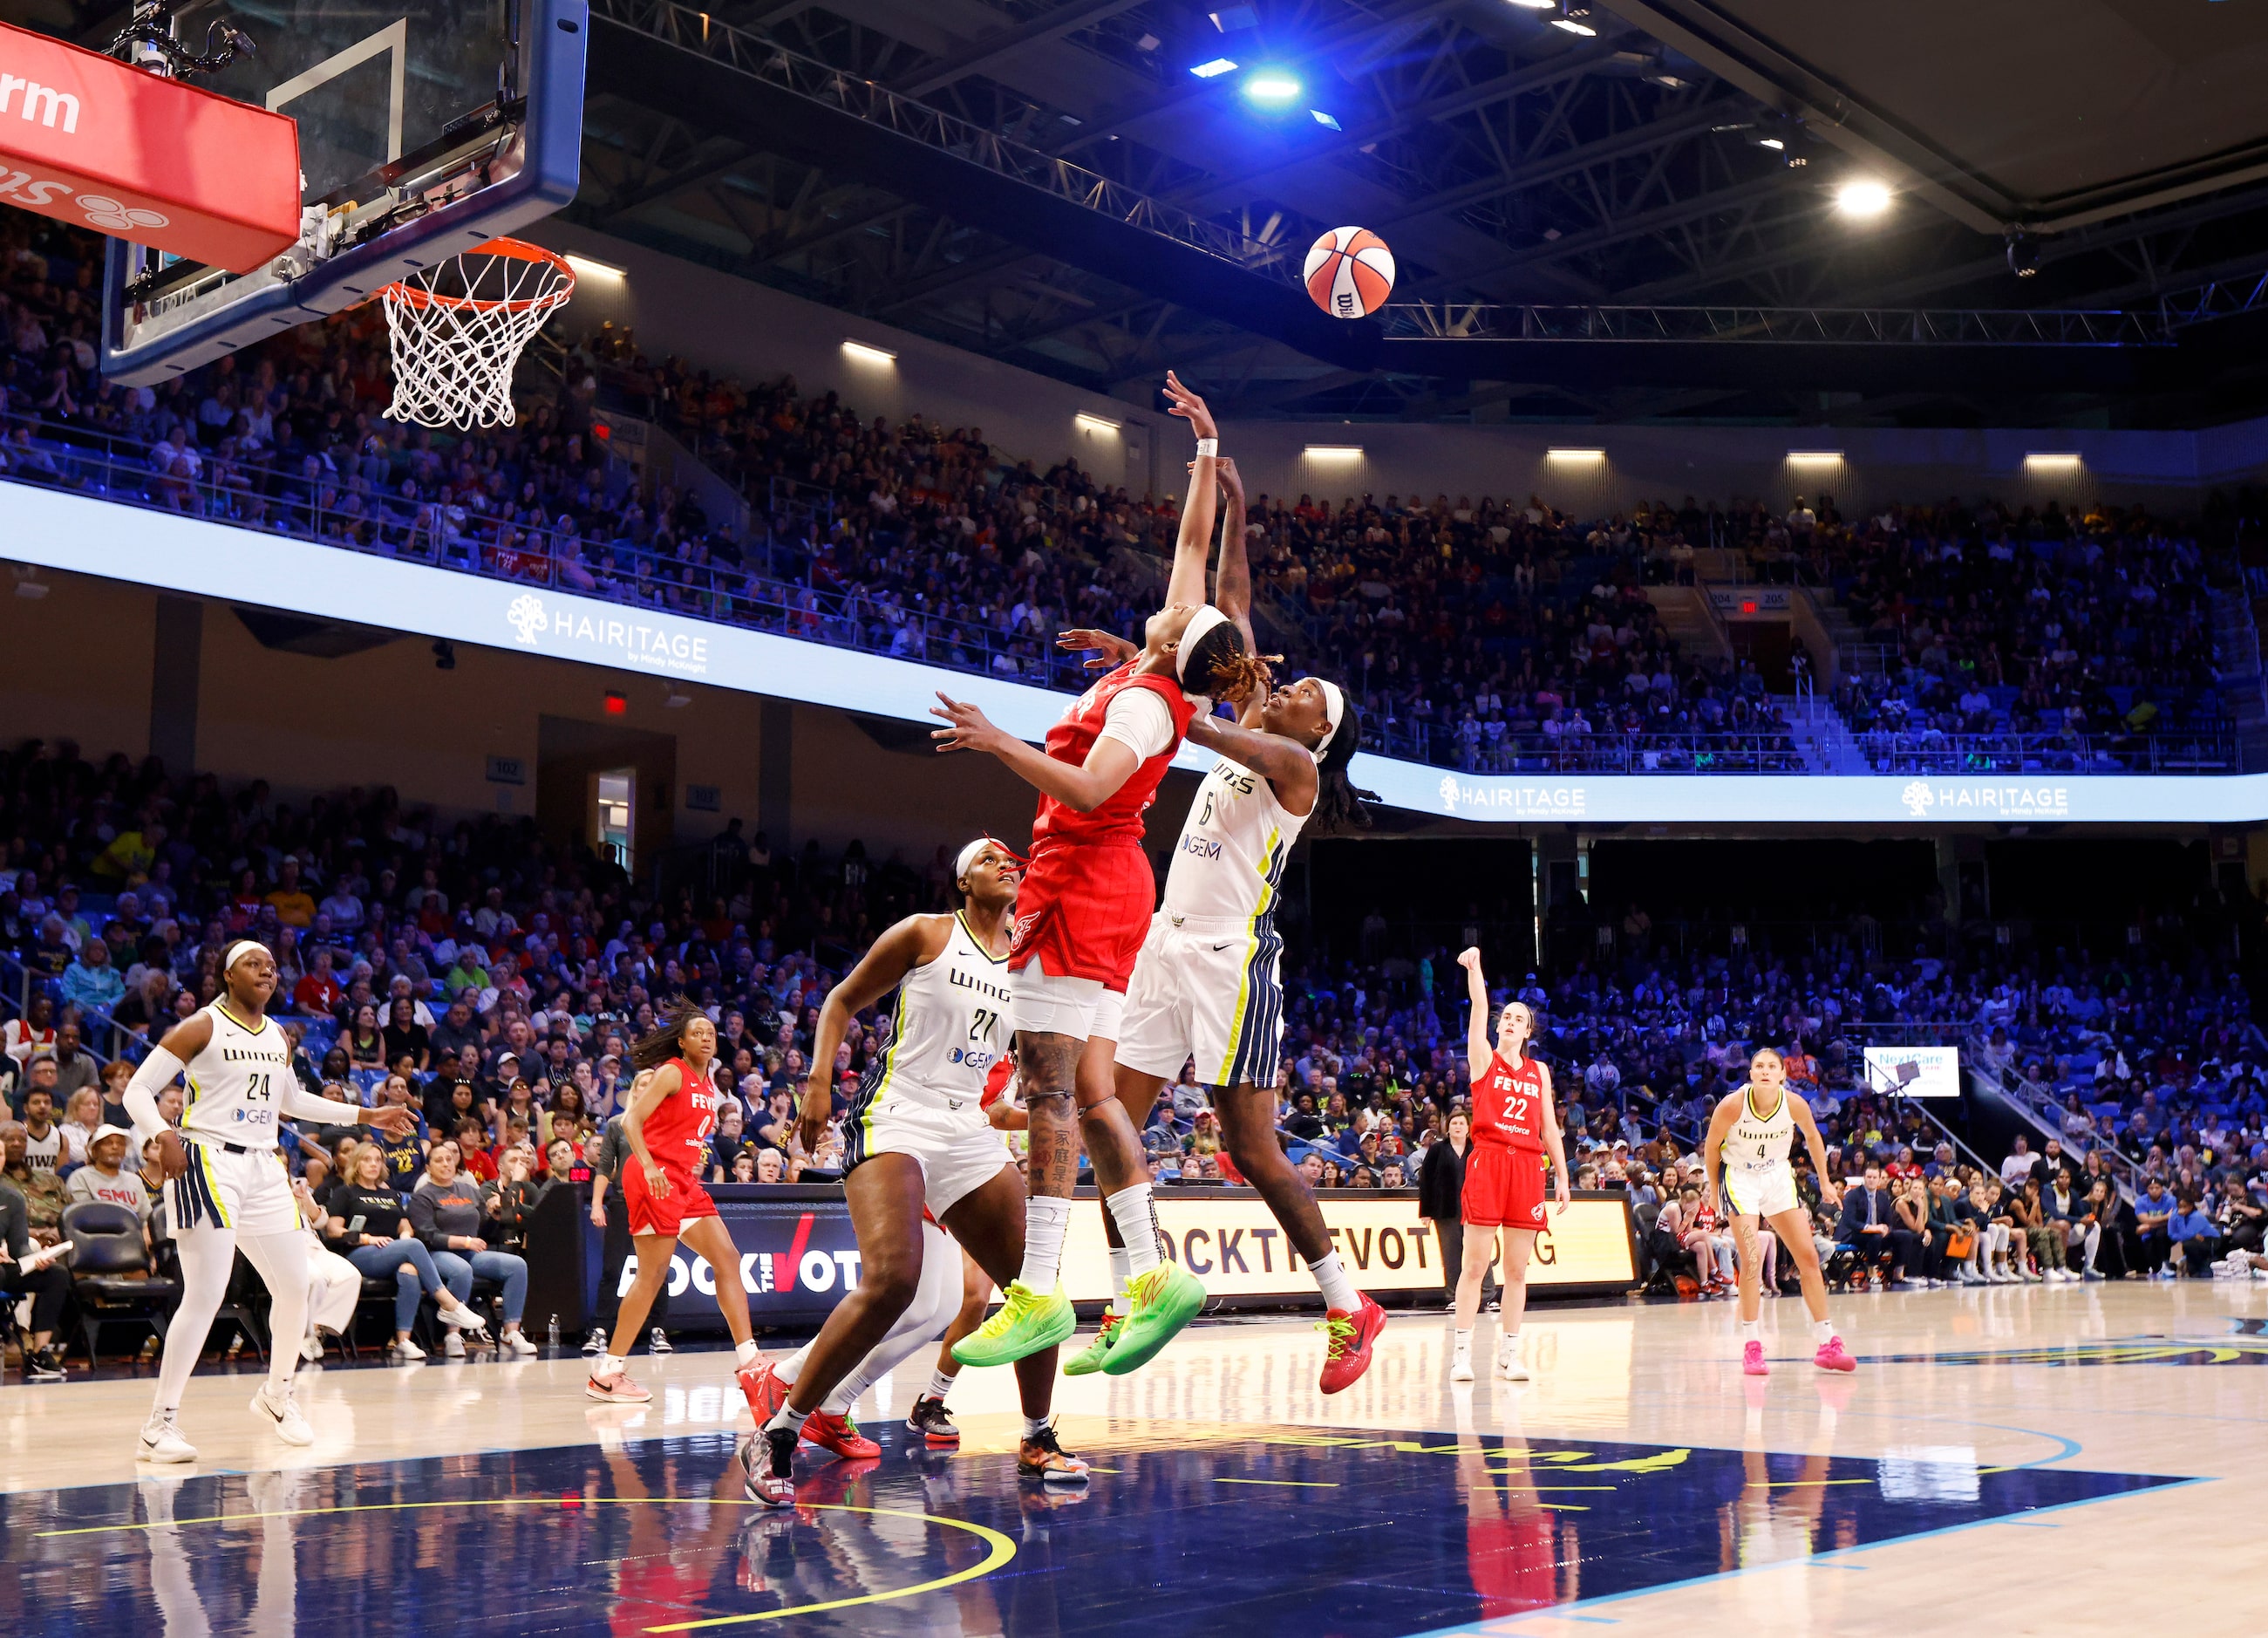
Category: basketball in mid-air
[1350,272]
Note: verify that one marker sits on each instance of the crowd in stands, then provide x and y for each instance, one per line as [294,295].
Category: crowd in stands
[1489,637]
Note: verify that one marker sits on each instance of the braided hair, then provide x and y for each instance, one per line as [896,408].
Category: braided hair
[1338,800]
[651,1052]
[1221,665]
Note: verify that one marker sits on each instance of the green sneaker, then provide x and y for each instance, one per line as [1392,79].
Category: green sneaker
[1090,1360]
[1165,1299]
[1029,1323]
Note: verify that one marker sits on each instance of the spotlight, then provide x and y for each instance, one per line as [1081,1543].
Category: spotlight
[2024,253]
[1538,5]
[1271,86]
[1575,27]
[1215,69]
[1862,198]
[445,655]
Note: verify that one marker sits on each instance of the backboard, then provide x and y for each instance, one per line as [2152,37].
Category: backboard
[425,127]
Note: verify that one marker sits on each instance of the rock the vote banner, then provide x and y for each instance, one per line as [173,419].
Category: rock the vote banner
[797,1257]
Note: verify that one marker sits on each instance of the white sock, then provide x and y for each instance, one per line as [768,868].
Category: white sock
[1339,1294]
[1751,1330]
[1464,1345]
[1035,1426]
[1137,1216]
[1823,1332]
[1510,1345]
[788,1417]
[746,1352]
[940,1385]
[1120,1277]
[791,1367]
[612,1365]
[1047,1218]
[845,1395]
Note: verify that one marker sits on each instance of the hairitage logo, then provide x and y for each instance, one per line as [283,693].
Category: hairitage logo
[1524,801]
[1970,800]
[560,628]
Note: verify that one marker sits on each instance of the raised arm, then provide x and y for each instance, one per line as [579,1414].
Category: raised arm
[1185,586]
[1284,764]
[1232,579]
[1477,1051]
[912,943]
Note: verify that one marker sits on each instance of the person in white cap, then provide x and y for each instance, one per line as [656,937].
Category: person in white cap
[226,1187]
[1206,985]
[918,1152]
[1082,909]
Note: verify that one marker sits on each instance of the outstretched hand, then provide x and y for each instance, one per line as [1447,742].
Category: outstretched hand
[967,729]
[1182,401]
[1114,651]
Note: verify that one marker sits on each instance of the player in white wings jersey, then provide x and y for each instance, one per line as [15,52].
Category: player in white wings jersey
[227,1190]
[1206,985]
[915,1140]
[1746,1154]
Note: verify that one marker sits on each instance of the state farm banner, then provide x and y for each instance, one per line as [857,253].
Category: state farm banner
[88,140]
[797,1256]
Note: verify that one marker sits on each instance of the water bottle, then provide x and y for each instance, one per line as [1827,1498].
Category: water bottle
[552,1336]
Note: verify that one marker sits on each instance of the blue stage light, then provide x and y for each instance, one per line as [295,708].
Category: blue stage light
[1272,85]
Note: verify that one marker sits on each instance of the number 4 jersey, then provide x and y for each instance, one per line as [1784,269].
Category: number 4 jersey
[236,1083]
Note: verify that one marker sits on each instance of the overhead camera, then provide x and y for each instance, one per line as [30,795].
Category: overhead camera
[2024,253]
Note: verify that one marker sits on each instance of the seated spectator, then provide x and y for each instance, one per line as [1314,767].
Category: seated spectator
[2195,1245]
[446,1212]
[366,1225]
[49,1288]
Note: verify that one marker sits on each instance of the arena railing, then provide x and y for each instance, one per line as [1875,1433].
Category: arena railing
[2175,750]
[103,1035]
[2046,1115]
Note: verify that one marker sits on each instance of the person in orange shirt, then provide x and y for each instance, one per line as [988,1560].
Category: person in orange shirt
[295,907]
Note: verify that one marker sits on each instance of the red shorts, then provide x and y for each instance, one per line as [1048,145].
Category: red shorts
[1504,1187]
[1082,909]
[686,1202]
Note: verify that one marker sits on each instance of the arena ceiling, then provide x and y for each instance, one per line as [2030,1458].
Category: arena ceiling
[1631,222]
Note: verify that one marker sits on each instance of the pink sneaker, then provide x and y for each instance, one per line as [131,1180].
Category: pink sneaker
[1833,1356]
[617,1388]
[1752,1359]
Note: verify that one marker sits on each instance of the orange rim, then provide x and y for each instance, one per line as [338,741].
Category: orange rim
[415,295]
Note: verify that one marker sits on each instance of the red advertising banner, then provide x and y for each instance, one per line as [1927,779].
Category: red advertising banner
[85,139]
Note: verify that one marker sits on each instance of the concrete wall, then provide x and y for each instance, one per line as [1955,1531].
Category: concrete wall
[737,328]
[77,664]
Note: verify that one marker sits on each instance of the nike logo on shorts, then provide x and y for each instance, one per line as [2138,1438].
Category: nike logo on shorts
[1219,947]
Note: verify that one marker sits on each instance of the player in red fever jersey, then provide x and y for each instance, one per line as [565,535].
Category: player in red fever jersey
[667,1125]
[1084,907]
[1514,1128]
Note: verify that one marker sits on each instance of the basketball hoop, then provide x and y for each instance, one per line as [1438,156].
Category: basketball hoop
[458,327]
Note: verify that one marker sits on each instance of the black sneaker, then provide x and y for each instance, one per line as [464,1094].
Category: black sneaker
[1041,1456]
[932,1420]
[47,1365]
[771,1459]
[596,1342]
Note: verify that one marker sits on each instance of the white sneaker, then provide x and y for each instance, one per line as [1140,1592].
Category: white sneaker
[162,1442]
[515,1344]
[464,1319]
[312,1349]
[1461,1368]
[407,1349]
[1509,1368]
[282,1411]
[453,1345]
[2030,1277]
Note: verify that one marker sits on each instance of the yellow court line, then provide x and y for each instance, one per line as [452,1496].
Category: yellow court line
[1293,1484]
[1540,1488]
[1001,1548]
[1799,1484]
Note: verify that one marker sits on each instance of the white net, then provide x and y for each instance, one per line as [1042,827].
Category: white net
[458,327]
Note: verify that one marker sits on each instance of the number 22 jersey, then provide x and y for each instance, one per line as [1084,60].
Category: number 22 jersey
[1508,1105]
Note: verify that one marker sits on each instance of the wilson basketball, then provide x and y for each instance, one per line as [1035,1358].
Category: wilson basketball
[1350,272]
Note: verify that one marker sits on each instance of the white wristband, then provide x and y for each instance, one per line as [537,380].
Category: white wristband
[1208,447]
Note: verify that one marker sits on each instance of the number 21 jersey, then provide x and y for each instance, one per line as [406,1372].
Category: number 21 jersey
[950,1025]
[237,1081]
[1508,1105]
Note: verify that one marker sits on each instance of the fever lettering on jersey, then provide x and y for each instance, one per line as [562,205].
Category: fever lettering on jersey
[677,1131]
[1508,1104]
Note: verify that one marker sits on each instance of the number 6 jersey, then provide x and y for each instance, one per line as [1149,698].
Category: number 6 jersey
[950,1025]
[236,1083]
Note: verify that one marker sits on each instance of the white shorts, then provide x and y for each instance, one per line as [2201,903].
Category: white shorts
[1081,1009]
[1761,1192]
[958,1150]
[1206,987]
[248,1194]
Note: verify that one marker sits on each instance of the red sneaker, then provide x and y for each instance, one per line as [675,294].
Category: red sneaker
[1833,1356]
[839,1434]
[764,1390]
[1752,1361]
[1348,1356]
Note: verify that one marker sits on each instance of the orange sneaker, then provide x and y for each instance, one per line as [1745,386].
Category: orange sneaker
[1348,1356]
[617,1390]
[839,1434]
[763,1389]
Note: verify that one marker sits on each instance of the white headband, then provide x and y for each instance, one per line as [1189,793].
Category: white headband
[1200,626]
[1334,713]
[968,856]
[239,950]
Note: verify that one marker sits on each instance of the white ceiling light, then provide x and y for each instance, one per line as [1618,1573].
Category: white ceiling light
[585,267]
[1575,456]
[1575,27]
[1087,423]
[2040,459]
[1862,197]
[1334,452]
[865,354]
[1814,457]
[1538,5]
